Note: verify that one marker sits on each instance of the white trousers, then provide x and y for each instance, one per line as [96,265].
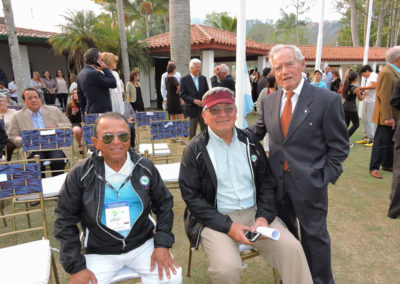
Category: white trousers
[105,267]
[368,126]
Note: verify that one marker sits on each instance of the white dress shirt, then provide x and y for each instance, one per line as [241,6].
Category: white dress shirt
[294,98]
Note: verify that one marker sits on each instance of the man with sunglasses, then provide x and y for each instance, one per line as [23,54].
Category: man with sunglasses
[229,190]
[112,194]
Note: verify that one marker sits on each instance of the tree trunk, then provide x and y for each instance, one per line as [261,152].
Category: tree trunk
[354,23]
[179,36]
[124,44]
[16,61]
[380,21]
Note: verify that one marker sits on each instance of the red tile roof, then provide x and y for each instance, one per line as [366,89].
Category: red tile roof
[204,37]
[27,32]
[343,53]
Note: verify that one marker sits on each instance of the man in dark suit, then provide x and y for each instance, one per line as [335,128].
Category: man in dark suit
[262,83]
[225,79]
[193,87]
[308,142]
[94,82]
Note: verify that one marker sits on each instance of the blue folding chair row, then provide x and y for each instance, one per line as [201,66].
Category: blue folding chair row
[37,139]
[144,118]
[90,118]
[169,129]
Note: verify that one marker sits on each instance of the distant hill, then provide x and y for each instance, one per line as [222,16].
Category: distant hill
[331,32]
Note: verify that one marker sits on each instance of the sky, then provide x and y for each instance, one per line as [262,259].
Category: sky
[47,15]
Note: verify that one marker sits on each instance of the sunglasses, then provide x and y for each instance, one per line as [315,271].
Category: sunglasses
[109,137]
[217,110]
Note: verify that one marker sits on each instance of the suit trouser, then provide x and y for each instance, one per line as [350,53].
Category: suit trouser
[311,210]
[56,165]
[193,125]
[394,207]
[368,126]
[226,266]
[382,150]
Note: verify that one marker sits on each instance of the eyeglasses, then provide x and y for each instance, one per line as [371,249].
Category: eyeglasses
[109,137]
[217,110]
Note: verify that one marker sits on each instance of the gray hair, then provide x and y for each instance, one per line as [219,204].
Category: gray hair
[224,68]
[276,48]
[392,54]
[216,90]
[193,62]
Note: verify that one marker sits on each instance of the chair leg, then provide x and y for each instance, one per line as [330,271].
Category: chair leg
[2,213]
[276,275]
[189,261]
[28,218]
[54,268]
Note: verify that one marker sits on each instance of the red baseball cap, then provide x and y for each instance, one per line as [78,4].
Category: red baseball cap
[223,97]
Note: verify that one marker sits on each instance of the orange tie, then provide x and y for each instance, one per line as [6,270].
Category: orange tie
[285,120]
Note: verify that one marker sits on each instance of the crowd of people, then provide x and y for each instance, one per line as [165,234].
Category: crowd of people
[283,185]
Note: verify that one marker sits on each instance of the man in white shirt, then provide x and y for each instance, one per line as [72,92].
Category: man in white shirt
[12,87]
[177,75]
[368,105]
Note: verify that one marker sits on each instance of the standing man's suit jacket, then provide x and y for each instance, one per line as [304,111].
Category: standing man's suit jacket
[22,120]
[189,92]
[93,89]
[385,86]
[316,143]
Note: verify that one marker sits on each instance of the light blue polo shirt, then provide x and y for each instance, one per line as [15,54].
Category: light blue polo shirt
[235,186]
[37,119]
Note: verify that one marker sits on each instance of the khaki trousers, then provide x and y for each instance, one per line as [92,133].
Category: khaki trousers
[226,266]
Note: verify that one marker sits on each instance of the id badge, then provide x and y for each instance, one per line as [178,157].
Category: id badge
[117,216]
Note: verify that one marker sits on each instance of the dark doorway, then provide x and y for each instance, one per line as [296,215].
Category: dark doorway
[160,65]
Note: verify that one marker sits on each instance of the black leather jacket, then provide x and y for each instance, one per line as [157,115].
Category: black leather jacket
[82,199]
[198,183]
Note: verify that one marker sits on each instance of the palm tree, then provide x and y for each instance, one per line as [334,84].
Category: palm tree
[122,36]
[14,48]
[285,27]
[179,26]
[226,23]
[78,34]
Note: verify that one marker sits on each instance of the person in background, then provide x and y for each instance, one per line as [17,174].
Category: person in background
[37,83]
[368,106]
[254,82]
[3,142]
[75,117]
[327,76]
[94,83]
[177,75]
[222,78]
[50,88]
[308,77]
[62,89]
[350,93]
[7,113]
[193,87]
[134,91]
[4,91]
[262,83]
[12,87]
[130,116]
[74,84]
[173,100]
[385,116]
[116,94]
[336,82]
[317,79]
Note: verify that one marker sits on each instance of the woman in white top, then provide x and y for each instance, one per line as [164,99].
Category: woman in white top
[7,113]
[62,90]
[37,83]
[116,94]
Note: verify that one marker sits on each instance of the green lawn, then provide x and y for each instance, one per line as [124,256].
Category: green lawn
[365,243]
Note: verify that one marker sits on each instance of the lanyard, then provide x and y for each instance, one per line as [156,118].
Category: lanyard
[109,184]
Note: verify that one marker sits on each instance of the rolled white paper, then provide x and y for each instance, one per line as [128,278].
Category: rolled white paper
[270,233]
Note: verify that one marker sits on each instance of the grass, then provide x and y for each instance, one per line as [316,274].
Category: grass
[365,243]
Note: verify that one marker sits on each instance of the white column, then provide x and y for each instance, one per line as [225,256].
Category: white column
[261,63]
[23,50]
[207,66]
[341,72]
[320,37]
[240,61]
[147,86]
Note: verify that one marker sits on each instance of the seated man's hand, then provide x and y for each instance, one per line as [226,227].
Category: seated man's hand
[260,222]
[83,277]
[163,258]
[236,232]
